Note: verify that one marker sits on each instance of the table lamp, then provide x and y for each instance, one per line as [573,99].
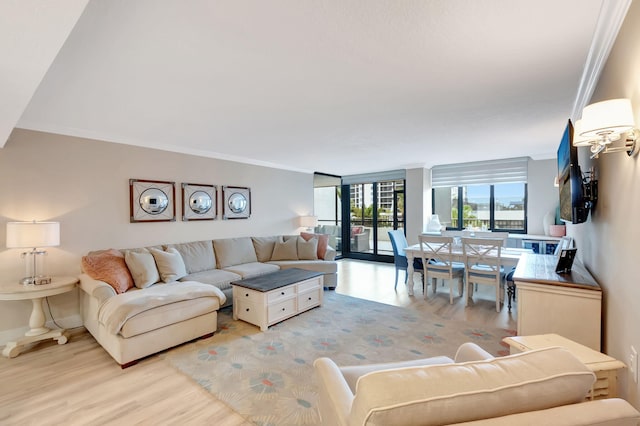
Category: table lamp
[33,235]
[308,222]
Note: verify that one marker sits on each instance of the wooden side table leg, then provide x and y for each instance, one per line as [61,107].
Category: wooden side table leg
[36,320]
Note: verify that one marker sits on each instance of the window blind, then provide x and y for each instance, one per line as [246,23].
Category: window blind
[374,177]
[511,170]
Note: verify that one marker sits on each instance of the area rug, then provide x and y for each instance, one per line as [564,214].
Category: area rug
[268,377]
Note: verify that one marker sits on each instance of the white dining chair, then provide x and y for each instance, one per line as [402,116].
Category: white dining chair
[438,263]
[483,258]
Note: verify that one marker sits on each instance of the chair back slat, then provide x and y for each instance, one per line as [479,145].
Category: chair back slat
[483,251]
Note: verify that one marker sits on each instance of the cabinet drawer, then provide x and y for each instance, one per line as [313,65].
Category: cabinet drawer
[281,293]
[250,296]
[309,284]
[308,300]
[281,310]
[249,312]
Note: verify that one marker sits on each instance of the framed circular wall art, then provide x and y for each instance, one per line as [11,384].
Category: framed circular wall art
[199,202]
[236,202]
[151,201]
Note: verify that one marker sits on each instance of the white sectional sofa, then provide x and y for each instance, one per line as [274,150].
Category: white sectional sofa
[542,387]
[136,302]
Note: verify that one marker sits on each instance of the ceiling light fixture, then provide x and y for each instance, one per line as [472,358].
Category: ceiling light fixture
[605,122]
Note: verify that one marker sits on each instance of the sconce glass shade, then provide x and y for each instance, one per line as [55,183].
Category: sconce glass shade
[614,116]
[308,221]
[33,234]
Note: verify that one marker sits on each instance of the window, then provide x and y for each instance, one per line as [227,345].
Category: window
[484,195]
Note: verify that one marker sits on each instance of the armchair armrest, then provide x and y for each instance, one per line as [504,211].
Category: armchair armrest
[335,397]
[471,352]
[96,288]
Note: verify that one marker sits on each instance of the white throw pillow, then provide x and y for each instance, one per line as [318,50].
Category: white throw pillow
[142,267]
[170,264]
[285,250]
[307,250]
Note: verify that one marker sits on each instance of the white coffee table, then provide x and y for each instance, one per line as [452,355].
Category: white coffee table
[271,298]
[36,293]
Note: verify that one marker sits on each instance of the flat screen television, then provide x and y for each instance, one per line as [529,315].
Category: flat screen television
[574,205]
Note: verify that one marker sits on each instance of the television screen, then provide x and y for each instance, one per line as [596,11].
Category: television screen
[572,204]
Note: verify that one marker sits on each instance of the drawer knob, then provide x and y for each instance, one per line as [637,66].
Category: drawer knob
[309,298]
[246,294]
[282,293]
[247,309]
[283,309]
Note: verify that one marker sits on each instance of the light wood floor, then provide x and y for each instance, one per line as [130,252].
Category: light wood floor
[80,384]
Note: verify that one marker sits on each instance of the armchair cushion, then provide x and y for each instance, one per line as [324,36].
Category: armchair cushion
[454,393]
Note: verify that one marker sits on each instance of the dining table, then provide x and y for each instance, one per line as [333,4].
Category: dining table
[509,257]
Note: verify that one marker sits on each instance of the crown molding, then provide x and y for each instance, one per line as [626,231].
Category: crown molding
[612,14]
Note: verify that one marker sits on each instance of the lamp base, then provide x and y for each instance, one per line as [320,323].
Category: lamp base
[39,280]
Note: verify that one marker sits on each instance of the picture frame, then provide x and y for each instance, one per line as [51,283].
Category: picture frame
[152,201]
[236,202]
[199,202]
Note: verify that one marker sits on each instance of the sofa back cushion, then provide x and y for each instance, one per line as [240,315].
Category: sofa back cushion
[264,247]
[454,393]
[307,249]
[234,251]
[198,256]
[323,243]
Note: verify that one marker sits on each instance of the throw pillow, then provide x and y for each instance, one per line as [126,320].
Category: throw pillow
[110,267]
[170,264]
[143,268]
[323,242]
[307,250]
[285,250]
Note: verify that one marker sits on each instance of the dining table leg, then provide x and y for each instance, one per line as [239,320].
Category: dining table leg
[410,272]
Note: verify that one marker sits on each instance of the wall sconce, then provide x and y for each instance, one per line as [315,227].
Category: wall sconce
[605,122]
[33,235]
[308,222]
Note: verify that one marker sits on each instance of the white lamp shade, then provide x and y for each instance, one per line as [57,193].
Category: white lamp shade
[308,221]
[579,140]
[612,116]
[33,234]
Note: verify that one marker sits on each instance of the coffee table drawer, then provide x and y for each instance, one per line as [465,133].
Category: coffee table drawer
[250,296]
[249,312]
[281,310]
[310,284]
[308,300]
[281,293]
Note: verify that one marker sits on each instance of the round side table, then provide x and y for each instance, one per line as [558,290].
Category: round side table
[36,293]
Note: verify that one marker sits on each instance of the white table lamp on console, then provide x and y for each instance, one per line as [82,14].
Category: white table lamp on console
[33,235]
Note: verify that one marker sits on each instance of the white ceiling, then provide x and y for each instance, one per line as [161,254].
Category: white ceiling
[336,86]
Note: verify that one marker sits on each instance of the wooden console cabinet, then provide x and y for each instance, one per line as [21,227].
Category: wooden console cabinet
[566,304]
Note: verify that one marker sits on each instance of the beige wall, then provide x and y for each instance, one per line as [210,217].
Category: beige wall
[542,195]
[84,184]
[608,242]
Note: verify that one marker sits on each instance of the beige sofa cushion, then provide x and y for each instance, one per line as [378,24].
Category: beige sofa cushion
[285,250]
[254,269]
[264,247]
[170,264]
[216,277]
[307,250]
[454,393]
[198,256]
[234,251]
[143,267]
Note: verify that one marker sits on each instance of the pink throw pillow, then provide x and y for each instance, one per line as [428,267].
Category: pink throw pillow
[110,267]
[323,242]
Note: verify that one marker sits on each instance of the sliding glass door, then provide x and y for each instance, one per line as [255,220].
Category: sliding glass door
[374,209]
